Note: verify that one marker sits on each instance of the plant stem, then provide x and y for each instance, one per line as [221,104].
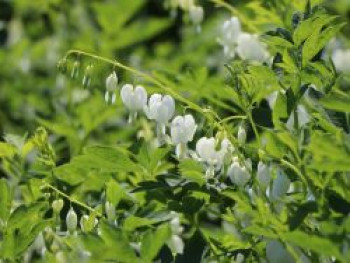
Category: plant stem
[73,200]
[249,115]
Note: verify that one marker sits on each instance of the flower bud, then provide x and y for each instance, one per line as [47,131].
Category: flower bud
[71,220]
[75,69]
[87,76]
[110,211]
[242,135]
[176,244]
[112,82]
[196,14]
[111,87]
[62,66]
[57,206]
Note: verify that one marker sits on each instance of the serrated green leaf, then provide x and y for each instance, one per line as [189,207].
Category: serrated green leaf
[153,241]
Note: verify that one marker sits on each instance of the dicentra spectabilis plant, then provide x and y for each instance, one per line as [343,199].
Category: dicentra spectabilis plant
[250,164]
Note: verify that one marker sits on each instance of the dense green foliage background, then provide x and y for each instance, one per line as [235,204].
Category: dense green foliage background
[60,140]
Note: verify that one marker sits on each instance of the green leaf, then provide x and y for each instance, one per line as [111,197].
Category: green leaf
[328,152]
[133,222]
[7,150]
[5,201]
[114,192]
[111,245]
[260,231]
[309,26]
[314,243]
[336,102]
[192,171]
[153,241]
[101,158]
[318,40]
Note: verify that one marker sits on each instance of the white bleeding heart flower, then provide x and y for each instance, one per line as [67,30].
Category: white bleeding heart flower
[196,14]
[111,87]
[135,99]
[263,174]
[71,220]
[182,130]
[176,244]
[341,60]
[208,153]
[161,109]
[175,226]
[239,174]
[231,30]
[250,48]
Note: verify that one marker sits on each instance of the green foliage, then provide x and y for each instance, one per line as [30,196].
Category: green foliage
[275,183]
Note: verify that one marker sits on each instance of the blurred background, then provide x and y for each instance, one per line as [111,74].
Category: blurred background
[144,34]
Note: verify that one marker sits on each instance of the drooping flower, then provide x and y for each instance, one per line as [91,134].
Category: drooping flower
[209,154]
[250,48]
[71,220]
[57,206]
[263,174]
[176,244]
[231,29]
[134,99]
[182,130]
[280,186]
[239,174]
[196,14]
[111,87]
[161,109]
[341,58]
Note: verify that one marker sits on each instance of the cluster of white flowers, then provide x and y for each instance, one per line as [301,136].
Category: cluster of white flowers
[214,152]
[246,46]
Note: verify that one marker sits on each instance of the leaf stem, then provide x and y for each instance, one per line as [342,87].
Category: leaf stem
[250,118]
